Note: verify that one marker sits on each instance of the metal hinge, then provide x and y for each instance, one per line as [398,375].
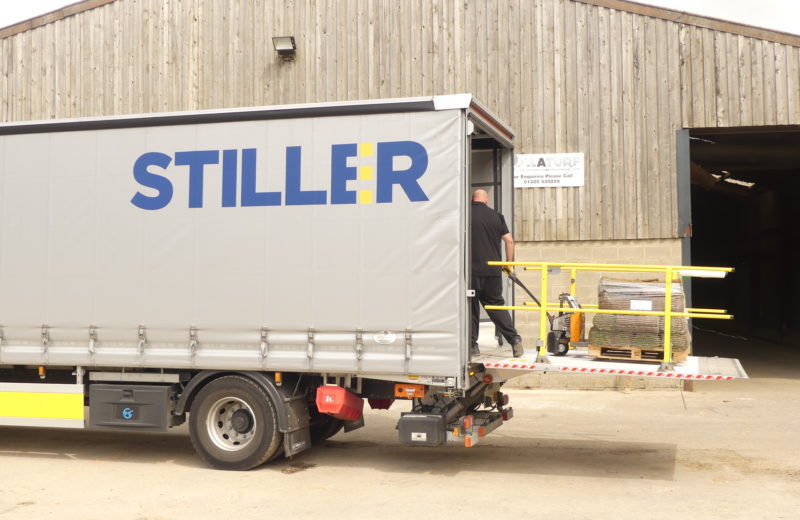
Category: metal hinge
[92,341]
[359,344]
[142,343]
[45,337]
[193,342]
[310,351]
[408,344]
[264,342]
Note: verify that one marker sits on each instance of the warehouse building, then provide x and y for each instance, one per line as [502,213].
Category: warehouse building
[689,126]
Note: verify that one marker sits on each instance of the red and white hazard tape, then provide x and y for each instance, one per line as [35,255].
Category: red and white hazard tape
[612,371]
[509,365]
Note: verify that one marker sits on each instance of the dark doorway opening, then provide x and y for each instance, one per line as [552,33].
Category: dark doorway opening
[746,215]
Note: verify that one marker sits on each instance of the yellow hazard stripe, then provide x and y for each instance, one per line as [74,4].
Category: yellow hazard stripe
[41,405]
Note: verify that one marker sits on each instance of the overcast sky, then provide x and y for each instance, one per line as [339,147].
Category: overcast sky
[780,15]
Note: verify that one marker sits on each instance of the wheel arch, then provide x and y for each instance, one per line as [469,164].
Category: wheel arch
[201,379]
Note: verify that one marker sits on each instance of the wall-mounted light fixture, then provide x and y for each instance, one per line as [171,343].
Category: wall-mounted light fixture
[285,47]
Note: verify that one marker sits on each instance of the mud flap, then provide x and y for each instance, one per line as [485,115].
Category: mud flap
[297,437]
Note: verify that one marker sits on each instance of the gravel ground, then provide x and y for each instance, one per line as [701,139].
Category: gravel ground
[726,450]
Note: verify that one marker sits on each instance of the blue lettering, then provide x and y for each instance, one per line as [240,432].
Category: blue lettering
[152,180]
[294,195]
[243,192]
[229,163]
[196,161]
[251,197]
[407,179]
[341,173]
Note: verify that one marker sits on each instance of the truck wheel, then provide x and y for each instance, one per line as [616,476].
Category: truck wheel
[233,424]
[325,430]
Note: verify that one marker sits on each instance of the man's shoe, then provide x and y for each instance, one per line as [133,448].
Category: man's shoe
[516,347]
[475,351]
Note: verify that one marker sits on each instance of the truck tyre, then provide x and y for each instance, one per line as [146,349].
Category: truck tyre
[325,428]
[322,426]
[233,424]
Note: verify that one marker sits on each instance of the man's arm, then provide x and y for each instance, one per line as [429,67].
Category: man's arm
[509,241]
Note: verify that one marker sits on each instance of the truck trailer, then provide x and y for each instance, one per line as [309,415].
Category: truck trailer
[259,272]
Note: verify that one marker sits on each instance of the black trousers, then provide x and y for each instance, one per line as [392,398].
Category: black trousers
[489,291]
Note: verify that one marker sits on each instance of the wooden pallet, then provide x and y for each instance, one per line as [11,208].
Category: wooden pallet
[635,353]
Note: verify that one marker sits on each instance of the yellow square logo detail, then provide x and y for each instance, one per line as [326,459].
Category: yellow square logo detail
[365,196]
[365,149]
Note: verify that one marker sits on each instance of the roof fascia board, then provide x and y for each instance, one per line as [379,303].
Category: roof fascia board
[697,20]
[52,16]
[620,5]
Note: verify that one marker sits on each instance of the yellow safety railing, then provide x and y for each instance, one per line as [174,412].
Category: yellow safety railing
[671,274]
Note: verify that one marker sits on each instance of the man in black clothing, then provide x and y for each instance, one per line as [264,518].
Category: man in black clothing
[488,230]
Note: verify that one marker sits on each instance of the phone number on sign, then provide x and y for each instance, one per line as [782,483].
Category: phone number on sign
[540,181]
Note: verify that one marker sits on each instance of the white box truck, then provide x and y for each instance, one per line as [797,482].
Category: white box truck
[259,270]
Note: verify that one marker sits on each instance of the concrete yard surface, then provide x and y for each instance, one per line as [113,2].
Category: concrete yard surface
[726,450]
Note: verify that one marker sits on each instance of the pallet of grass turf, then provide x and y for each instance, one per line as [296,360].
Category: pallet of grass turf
[637,337]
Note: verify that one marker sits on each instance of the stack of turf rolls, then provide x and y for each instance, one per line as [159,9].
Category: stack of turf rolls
[612,330]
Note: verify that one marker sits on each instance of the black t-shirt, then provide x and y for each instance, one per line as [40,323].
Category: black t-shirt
[487,228]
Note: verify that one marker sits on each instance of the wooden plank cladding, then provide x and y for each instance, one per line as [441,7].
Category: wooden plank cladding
[609,78]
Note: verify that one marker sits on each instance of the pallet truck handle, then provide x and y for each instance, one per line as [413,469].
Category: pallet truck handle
[510,272]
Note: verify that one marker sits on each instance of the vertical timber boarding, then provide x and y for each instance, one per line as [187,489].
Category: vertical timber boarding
[569,75]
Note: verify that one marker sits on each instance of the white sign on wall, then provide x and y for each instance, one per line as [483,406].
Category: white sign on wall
[548,170]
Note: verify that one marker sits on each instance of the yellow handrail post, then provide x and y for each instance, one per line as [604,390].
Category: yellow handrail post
[668,318]
[543,316]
